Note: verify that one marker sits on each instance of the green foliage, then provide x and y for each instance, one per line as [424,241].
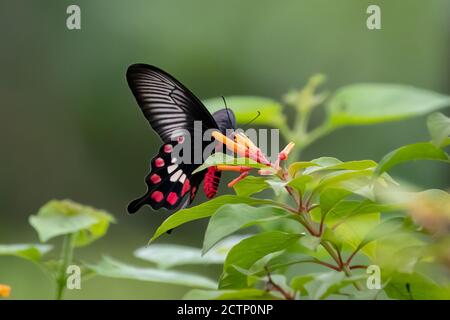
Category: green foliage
[375,103]
[250,186]
[80,225]
[167,256]
[33,252]
[248,251]
[417,151]
[339,205]
[415,286]
[439,127]
[203,210]
[244,294]
[232,217]
[338,216]
[109,267]
[58,218]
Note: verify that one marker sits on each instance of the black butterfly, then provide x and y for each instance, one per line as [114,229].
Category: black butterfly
[170,106]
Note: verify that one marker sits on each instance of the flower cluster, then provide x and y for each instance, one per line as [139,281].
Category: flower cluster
[242,146]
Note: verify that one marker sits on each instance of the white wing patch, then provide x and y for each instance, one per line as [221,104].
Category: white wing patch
[171,168]
[176,175]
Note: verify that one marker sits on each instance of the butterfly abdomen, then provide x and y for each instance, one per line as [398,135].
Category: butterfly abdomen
[212,178]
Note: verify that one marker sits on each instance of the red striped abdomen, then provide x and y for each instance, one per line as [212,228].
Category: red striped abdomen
[212,178]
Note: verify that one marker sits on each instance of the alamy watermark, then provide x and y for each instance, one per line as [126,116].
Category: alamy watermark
[197,147]
[73,21]
[73,280]
[373,21]
[374,279]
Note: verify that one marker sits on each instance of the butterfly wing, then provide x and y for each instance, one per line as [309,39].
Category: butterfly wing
[169,107]
[167,182]
[165,102]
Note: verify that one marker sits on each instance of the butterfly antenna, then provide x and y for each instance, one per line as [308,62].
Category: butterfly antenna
[256,117]
[228,112]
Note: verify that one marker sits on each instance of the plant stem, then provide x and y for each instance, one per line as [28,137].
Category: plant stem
[358,266]
[276,287]
[348,273]
[66,259]
[303,121]
[330,250]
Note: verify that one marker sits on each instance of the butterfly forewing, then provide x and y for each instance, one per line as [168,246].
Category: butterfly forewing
[165,102]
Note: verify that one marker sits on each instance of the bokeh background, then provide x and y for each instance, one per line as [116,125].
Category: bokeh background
[70,127]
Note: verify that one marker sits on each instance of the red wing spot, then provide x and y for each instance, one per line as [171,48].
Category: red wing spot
[172,198]
[194,189]
[186,187]
[159,162]
[168,148]
[180,139]
[155,178]
[157,196]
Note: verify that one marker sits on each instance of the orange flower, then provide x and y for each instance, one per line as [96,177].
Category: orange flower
[244,147]
[5,290]
[283,155]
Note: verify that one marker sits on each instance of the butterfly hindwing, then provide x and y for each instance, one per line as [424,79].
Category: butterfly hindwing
[168,182]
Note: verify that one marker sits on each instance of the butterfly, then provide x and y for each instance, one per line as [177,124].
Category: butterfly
[169,106]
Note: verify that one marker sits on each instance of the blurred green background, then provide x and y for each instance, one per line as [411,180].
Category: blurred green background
[70,127]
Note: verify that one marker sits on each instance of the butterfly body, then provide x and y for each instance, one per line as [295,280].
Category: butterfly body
[170,109]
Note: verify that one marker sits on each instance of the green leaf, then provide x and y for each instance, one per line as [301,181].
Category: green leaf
[300,183]
[385,228]
[439,127]
[330,197]
[166,256]
[250,185]
[347,208]
[297,166]
[298,283]
[417,151]
[329,163]
[322,284]
[57,218]
[169,255]
[232,217]
[111,268]
[328,283]
[286,259]
[338,177]
[354,229]
[223,158]
[322,162]
[204,210]
[374,103]
[249,251]
[415,287]
[245,108]
[277,186]
[310,242]
[33,252]
[351,165]
[243,294]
